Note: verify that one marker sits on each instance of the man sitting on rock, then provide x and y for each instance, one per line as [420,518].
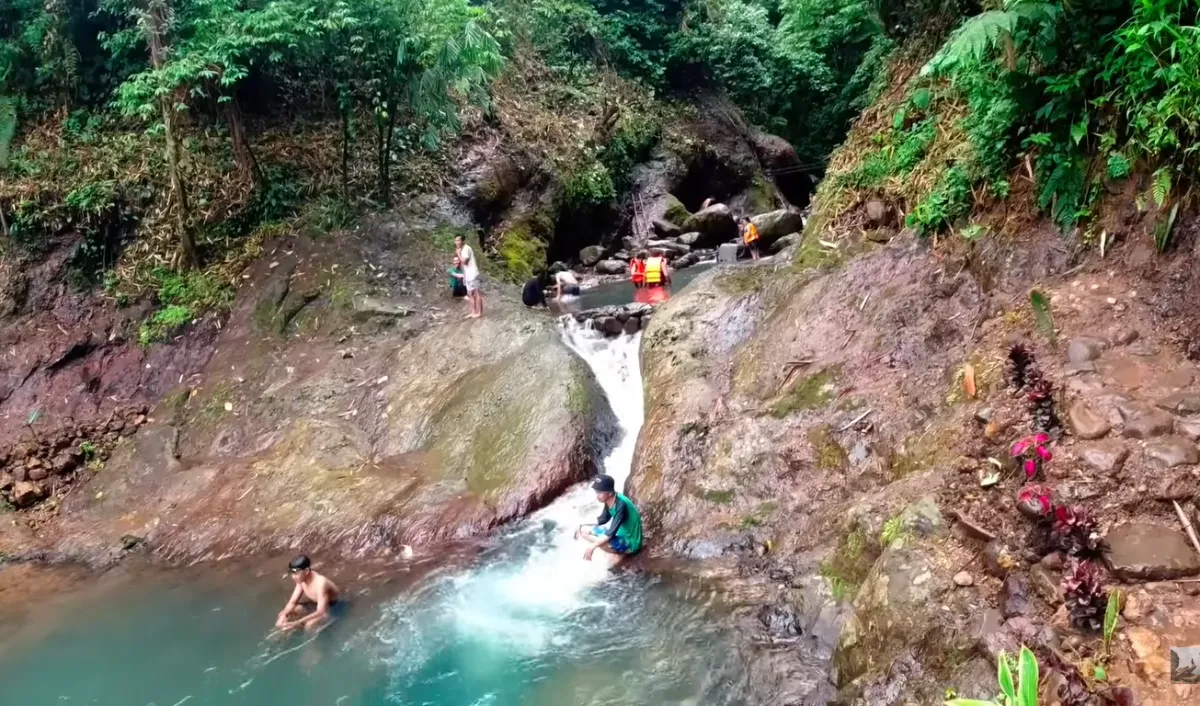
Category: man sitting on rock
[623,534]
[312,586]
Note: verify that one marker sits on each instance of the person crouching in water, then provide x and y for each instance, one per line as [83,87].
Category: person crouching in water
[637,270]
[458,283]
[311,586]
[618,530]
[750,237]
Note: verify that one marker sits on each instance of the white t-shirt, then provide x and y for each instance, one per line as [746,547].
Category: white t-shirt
[470,268]
[566,277]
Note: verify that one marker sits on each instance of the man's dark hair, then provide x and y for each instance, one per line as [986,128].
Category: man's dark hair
[300,563]
[604,484]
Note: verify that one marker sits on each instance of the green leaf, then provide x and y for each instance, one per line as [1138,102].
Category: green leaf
[1079,131]
[1099,674]
[1111,611]
[1005,679]
[34,416]
[1042,314]
[1029,678]
[1161,187]
[970,702]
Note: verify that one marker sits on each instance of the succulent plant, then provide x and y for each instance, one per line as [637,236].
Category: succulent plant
[1076,531]
[1041,404]
[1084,595]
[1020,362]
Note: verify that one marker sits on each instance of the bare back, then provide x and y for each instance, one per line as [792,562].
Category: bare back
[317,585]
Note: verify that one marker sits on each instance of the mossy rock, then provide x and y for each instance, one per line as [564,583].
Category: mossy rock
[674,211]
[812,392]
[522,246]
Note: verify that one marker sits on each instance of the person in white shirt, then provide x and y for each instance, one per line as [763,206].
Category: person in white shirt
[471,277]
[566,284]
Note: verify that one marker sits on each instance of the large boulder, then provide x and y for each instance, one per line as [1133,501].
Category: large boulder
[669,247]
[427,435]
[610,267]
[715,225]
[663,229]
[591,255]
[776,224]
[787,241]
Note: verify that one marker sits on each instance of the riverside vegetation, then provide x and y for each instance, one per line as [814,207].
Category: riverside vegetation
[232,212]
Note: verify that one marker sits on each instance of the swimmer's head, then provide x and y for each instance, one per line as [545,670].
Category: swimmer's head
[299,568]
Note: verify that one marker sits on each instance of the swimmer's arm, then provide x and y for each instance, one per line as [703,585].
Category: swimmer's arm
[282,620]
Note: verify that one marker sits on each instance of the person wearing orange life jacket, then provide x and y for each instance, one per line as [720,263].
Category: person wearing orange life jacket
[637,270]
[750,237]
[657,272]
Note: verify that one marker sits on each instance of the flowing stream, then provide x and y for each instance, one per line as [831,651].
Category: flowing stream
[528,622]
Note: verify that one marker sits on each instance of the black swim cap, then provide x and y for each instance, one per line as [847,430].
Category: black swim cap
[604,484]
[300,563]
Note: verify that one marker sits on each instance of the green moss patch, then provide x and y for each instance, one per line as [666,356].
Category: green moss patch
[848,566]
[828,454]
[807,393]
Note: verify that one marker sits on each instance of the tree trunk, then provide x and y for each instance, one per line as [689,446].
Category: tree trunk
[243,155]
[156,23]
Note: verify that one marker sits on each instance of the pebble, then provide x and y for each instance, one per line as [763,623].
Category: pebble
[964,579]
[922,578]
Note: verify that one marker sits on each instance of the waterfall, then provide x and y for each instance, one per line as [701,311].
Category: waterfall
[528,597]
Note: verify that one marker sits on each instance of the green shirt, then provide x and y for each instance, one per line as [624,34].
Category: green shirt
[626,520]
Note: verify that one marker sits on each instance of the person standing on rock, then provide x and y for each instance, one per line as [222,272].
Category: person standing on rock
[750,237]
[471,277]
[618,530]
[315,588]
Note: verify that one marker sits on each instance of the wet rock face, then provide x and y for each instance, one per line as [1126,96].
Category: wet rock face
[420,436]
[1151,553]
[776,224]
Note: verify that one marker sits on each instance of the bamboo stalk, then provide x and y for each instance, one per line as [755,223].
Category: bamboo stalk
[1187,525]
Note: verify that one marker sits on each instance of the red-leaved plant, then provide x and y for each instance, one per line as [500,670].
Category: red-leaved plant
[1034,501]
[1076,531]
[1084,595]
[1031,452]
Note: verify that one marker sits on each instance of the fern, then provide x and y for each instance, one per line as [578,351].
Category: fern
[972,40]
[1160,189]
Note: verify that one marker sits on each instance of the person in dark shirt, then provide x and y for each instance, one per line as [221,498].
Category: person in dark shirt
[534,292]
[618,530]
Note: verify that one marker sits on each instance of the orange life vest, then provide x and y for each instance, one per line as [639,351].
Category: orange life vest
[637,271]
[751,234]
[654,270]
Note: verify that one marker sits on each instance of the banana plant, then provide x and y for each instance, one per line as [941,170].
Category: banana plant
[1023,692]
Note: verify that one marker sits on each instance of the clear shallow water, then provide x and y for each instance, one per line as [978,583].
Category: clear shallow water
[623,292]
[528,622]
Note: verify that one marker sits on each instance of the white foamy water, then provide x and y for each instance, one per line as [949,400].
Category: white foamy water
[524,600]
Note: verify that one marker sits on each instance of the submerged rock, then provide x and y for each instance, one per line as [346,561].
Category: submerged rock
[1151,553]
